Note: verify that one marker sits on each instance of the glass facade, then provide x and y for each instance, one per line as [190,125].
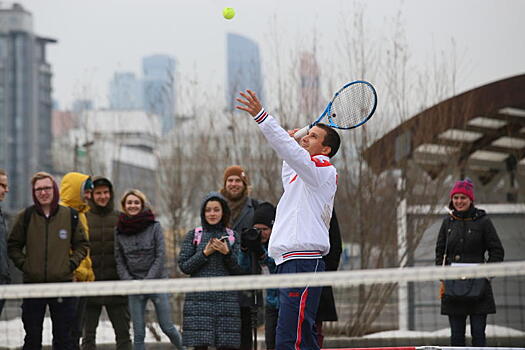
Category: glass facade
[243,67]
[25,104]
[125,92]
[159,88]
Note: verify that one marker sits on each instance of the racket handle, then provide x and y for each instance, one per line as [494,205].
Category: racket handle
[301,133]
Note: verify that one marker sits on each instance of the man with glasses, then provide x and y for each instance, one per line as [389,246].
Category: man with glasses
[47,245]
[4,265]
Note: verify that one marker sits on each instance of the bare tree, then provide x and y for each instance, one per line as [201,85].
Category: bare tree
[368,200]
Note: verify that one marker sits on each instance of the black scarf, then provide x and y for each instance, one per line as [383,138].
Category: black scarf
[468,214]
[130,225]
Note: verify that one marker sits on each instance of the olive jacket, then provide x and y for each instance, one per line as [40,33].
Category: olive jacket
[49,251]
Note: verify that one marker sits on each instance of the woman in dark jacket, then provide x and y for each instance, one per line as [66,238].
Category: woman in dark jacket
[139,252]
[211,318]
[466,235]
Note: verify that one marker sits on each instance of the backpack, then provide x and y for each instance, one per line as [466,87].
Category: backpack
[198,235]
[27,217]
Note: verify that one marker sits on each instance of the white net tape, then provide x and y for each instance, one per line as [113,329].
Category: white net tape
[335,279]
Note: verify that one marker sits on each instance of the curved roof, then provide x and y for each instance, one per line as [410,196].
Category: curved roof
[483,128]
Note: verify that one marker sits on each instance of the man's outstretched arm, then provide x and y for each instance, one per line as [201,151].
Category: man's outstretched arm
[280,140]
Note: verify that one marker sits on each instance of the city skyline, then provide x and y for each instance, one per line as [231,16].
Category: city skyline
[87,55]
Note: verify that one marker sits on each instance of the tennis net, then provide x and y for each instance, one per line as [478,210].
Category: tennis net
[375,308]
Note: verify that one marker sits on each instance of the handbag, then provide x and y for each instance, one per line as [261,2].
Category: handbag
[468,289]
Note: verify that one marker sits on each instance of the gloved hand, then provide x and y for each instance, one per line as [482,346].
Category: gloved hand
[441,289]
[259,251]
[244,243]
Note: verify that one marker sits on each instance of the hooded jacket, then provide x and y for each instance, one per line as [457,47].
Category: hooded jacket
[102,222]
[71,195]
[211,318]
[48,249]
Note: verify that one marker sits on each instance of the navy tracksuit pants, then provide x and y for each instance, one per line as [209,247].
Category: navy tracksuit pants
[298,308]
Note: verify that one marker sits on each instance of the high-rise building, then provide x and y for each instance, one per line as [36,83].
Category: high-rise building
[25,103]
[125,92]
[159,88]
[309,93]
[81,105]
[244,67]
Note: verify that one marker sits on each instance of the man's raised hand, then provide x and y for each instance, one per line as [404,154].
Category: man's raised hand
[250,101]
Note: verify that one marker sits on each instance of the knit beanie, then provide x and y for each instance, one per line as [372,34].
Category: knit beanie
[236,170]
[101,181]
[465,187]
[87,185]
[264,214]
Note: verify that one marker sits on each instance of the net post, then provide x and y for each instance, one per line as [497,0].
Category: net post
[402,254]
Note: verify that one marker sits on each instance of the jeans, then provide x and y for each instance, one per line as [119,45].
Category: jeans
[62,312]
[137,309]
[477,329]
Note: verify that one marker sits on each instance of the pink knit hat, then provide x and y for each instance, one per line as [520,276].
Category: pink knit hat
[465,187]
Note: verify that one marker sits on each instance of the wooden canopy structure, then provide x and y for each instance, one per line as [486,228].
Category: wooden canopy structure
[482,131]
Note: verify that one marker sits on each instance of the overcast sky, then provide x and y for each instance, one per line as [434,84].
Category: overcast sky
[98,37]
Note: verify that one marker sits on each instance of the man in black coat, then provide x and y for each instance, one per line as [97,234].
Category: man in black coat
[236,187]
[327,310]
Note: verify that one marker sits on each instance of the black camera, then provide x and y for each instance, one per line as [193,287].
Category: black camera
[251,238]
[252,234]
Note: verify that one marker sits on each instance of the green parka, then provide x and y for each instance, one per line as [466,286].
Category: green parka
[48,251]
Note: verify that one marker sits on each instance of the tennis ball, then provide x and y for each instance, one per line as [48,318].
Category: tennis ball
[228,12]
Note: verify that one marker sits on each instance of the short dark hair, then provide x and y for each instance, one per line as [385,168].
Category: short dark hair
[331,139]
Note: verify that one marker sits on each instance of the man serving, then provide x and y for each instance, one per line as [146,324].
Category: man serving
[300,233]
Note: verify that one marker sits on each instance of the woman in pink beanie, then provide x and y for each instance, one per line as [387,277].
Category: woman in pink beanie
[466,235]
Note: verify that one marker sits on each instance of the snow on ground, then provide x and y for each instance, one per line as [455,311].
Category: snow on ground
[12,333]
[491,331]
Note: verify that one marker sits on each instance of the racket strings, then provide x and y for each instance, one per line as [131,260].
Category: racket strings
[352,106]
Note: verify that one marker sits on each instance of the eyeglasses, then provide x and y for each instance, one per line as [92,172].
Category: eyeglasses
[44,189]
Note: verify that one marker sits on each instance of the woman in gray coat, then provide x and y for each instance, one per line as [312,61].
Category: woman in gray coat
[211,318]
[139,253]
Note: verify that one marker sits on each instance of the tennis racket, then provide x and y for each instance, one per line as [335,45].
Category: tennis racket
[352,106]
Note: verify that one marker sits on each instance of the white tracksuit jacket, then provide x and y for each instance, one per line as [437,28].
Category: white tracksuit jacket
[303,214]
